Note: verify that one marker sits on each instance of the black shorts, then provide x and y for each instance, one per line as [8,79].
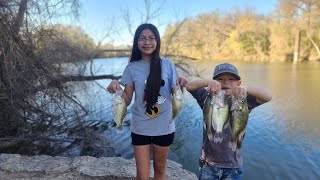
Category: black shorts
[164,140]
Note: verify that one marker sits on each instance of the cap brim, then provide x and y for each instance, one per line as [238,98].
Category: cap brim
[235,75]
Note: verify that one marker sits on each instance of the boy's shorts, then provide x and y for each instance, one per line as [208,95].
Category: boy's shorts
[164,140]
[210,172]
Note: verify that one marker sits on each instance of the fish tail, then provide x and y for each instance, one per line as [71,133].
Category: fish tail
[240,138]
[172,119]
[239,144]
[118,125]
[119,129]
[233,144]
[217,137]
[173,116]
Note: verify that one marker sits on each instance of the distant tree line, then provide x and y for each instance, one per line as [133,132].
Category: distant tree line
[109,50]
[246,35]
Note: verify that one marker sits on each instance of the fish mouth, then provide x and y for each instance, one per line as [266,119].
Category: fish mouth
[227,91]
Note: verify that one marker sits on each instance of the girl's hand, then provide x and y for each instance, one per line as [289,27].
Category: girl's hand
[114,86]
[181,81]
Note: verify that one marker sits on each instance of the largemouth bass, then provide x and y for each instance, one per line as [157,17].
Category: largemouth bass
[220,116]
[119,109]
[238,121]
[177,102]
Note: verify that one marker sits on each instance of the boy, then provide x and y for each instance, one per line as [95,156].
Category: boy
[217,160]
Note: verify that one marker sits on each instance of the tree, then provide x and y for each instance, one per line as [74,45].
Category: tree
[237,35]
[304,16]
[72,43]
[38,112]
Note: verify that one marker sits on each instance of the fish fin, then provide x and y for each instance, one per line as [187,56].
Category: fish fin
[217,137]
[226,125]
[233,145]
[214,126]
[209,136]
[209,130]
[239,144]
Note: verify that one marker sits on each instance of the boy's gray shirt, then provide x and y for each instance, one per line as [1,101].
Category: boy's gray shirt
[220,154]
[136,74]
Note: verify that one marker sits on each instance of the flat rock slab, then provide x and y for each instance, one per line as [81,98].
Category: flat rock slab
[15,166]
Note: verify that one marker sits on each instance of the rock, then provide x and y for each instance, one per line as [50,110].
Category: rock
[15,166]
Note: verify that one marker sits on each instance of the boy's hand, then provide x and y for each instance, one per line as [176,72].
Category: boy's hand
[213,86]
[239,91]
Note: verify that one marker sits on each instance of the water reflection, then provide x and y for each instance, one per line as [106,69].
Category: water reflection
[283,136]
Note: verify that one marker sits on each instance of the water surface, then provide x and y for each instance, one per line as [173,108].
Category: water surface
[283,136]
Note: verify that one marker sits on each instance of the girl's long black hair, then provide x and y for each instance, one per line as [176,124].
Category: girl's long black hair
[154,79]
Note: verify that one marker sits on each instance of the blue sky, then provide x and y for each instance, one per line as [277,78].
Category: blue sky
[97,17]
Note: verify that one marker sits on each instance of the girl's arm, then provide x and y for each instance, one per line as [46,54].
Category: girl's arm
[128,93]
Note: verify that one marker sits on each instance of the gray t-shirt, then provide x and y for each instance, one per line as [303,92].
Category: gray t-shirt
[220,154]
[136,74]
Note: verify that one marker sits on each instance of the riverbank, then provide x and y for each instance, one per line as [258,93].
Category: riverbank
[15,166]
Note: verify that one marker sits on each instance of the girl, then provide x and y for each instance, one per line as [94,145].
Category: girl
[152,79]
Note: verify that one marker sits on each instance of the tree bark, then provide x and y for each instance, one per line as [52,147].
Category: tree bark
[20,17]
[314,45]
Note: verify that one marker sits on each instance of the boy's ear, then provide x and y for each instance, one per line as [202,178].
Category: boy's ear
[239,82]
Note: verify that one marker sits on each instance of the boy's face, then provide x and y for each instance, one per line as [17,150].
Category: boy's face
[228,82]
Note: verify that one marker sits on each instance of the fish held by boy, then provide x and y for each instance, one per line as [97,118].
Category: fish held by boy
[119,110]
[220,116]
[238,121]
[215,115]
[207,114]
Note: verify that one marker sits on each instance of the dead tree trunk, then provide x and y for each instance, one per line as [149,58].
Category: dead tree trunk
[20,17]
[314,45]
[296,47]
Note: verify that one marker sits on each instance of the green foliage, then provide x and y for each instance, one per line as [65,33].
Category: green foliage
[253,41]
[247,40]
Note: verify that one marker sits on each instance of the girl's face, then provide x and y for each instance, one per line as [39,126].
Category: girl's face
[147,43]
[228,81]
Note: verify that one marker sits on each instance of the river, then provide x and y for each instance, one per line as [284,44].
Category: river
[283,136]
